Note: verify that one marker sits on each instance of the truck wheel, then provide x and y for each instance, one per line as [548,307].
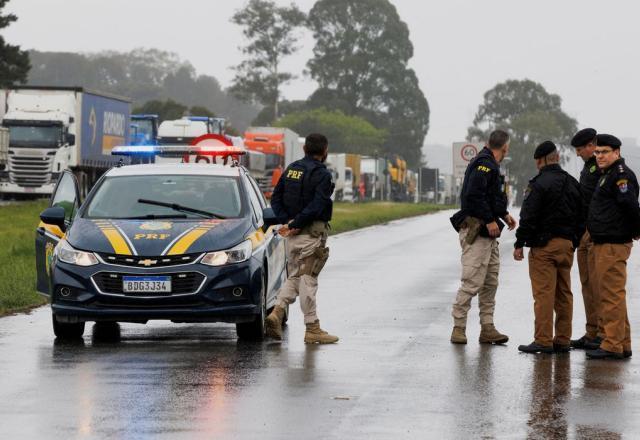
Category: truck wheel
[255,330]
[67,330]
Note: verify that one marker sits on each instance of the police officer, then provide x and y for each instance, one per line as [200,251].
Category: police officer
[302,202]
[551,224]
[613,222]
[479,224]
[584,142]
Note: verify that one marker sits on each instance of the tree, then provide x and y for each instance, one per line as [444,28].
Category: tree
[271,31]
[14,63]
[166,110]
[361,65]
[346,134]
[531,115]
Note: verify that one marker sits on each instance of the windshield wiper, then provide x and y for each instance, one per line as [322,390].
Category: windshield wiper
[152,217]
[181,208]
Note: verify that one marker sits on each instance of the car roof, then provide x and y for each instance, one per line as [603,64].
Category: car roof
[187,169]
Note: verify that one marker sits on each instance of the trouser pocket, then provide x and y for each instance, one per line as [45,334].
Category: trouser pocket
[314,263]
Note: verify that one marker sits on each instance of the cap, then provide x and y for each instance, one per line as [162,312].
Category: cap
[547,147]
[583,137]
[608,140]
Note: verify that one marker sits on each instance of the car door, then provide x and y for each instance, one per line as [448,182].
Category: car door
[275,249]
[67,196]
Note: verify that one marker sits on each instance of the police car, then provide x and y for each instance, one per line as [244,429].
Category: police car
[186,242]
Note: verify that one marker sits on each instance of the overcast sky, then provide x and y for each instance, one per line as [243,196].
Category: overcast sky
[584,50]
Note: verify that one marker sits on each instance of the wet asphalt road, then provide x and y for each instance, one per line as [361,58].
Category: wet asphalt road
[386,292]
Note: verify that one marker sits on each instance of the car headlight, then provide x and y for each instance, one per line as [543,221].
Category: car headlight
[237,254]
[67,254]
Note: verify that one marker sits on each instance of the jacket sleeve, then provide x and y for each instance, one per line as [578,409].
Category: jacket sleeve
[529,217]
[580,216]
[627,196]
[321,198]
[478,194]
[277,201]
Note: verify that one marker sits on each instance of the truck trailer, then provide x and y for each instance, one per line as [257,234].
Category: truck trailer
[52,129]
[346,168]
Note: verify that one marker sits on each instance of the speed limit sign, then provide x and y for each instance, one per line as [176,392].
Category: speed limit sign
[463,153]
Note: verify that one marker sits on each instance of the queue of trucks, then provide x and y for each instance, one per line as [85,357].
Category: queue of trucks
[46,130]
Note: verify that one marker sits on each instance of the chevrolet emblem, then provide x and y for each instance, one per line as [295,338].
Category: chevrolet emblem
[147,262]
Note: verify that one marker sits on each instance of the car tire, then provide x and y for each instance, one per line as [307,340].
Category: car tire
[255,330]
[67,330]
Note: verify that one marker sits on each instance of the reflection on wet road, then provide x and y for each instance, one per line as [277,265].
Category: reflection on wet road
[387,293]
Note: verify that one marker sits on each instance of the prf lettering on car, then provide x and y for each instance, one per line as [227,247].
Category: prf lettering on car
[151,236]
[295,174]
[483,168]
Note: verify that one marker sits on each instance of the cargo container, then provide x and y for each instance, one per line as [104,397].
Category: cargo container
[56,128]
[347,171]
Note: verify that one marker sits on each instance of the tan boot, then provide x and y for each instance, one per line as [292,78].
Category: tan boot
[458,335]
[273,322]
[489,335]
[315,335]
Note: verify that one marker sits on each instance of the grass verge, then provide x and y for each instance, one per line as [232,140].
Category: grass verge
[18,223]
[17,232]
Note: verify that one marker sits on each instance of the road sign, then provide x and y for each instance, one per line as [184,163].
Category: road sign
[463,153]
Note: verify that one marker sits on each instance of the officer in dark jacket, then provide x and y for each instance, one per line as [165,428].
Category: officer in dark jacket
[613,222]
[478,223]
[302,202]
[551,224]
[584,142]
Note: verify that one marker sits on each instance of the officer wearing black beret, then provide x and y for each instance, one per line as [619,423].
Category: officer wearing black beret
[551,224]
[613,223]
[584,142]
[302,201]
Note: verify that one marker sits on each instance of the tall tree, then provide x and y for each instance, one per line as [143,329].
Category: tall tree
[14,63]
[271,31]
[531,115]
[361,65]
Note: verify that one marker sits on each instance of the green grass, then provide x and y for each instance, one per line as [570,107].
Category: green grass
[350,216]
[18,223]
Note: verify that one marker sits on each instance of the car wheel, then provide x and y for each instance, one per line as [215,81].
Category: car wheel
[67,330]
[255,330]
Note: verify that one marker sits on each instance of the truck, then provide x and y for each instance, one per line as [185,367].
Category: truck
[347,172]
[4,149]
[144,129]
[52,129]
[372,171]
[281,146]
[397,170]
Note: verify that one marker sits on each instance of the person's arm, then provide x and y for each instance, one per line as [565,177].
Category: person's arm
[276,201]
[321,199]
[477,194]
[627,196]
[580,216]
[529,216]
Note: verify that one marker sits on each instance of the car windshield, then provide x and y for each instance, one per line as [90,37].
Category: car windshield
[118,197]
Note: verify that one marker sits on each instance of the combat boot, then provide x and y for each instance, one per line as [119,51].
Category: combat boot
[489,335]
[273,323]
[458,336]
[315,335]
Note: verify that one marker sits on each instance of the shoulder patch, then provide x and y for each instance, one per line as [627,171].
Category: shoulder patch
[623,185]
[484,169]
[527,192]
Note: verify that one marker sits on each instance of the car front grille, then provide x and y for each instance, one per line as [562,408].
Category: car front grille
[138,261]
[181,283]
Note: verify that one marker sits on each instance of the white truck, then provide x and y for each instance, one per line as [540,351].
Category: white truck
[373,171]
[52,129]
[347,171]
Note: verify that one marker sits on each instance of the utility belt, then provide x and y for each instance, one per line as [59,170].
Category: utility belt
[316,229]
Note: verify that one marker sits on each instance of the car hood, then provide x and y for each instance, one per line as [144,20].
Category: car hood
[156,237]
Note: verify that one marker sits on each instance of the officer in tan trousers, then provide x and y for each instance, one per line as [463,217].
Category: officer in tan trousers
[302,202]
[584,142]
[551,224]
[613,223]
[479,224]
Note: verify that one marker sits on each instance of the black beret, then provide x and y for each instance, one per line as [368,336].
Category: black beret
[547,147]
[583,137]
[608,140]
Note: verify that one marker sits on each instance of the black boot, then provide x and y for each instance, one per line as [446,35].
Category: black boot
[627,354]
[604,354]
[535,348]
[580,343]
[593,344]
[560,348]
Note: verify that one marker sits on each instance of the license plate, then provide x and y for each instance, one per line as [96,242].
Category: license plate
[146,284]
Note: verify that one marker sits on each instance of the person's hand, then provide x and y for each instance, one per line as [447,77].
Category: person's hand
[636,238]
[518,254]
[494,230]
[511,222]
[286,231]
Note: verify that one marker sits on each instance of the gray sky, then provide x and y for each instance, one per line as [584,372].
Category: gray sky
[583,50]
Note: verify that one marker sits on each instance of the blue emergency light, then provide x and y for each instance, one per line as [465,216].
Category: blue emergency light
[134,150]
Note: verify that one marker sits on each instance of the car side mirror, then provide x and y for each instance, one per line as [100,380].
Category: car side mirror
[54,216]
[269,217]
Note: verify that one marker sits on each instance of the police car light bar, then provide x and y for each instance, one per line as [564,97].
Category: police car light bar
[178,150]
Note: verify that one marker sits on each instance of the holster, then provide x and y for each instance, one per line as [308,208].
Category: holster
[473,225]
[314,263]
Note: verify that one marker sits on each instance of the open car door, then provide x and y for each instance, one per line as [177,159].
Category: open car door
[67,196]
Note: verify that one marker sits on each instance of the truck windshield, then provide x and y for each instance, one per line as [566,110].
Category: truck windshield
[34,136]
[142,132]
[272,161]
[119,197]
